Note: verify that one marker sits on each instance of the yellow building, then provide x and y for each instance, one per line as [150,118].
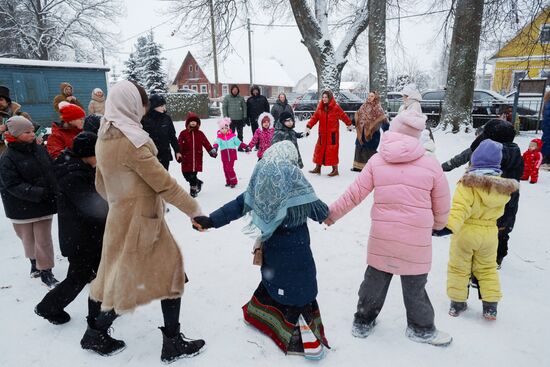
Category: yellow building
[527,55]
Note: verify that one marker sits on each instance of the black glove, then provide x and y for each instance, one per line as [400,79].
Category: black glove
[247,149]
[441,232]
[204,222]
[213,153]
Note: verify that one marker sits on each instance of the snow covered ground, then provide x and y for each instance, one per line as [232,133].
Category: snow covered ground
[222,279]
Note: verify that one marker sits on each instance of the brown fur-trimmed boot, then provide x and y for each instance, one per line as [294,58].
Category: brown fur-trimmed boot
[334,171]
[316,170]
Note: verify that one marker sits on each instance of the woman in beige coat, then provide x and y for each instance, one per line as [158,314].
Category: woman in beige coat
[141,261]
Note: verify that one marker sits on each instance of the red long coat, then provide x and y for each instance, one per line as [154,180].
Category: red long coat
[326,149]
[191,142]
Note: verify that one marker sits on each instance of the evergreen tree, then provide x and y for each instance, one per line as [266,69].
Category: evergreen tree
[131,71]
[153,75]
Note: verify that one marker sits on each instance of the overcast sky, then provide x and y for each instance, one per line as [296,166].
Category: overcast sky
[417,36]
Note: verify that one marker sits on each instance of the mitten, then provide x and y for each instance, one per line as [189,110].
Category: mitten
[213,153]
[247,149]
[202,222]
[441,232]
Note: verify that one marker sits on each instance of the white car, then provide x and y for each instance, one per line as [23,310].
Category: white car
[531,101]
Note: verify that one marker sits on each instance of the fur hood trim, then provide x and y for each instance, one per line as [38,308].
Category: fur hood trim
[487,183]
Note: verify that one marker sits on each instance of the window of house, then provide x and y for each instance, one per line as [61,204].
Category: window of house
[545,74]
[185,86]
[194,87]
[190,67]
[518,75]
[225,89]
[545,33]
[196,67]
[204,88]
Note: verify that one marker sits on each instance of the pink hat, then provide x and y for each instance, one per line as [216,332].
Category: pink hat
[226,121]
[410,123]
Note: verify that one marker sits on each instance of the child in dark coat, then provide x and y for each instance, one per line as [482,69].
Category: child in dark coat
[280,201]
[81,220]
[28,190]
[284,130]
[532,159]
[191,141]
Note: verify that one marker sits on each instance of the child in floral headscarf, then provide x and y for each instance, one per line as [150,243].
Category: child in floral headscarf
[280,200]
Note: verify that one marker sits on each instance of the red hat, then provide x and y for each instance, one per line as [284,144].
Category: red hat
[539,144]
[192,117]
[70,112]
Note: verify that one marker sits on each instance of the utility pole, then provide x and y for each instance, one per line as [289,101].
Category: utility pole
[249,49]
[214,51]
[103,55]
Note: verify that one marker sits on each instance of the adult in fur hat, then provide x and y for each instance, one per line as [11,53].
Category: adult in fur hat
[65,95]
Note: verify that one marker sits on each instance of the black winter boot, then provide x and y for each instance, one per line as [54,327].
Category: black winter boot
[457,308]
[199,186]
[35,273]
[56,318]
[178,346]
[101,342]
[490,310]
[48,279]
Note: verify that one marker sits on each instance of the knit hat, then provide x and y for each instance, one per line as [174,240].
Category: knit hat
[226,121]
[84,144]
[70,112]
[156,100]
[409,122]
[191,116]
[5,93]
[17,125]
[92,122]
[285,116]
[487,155]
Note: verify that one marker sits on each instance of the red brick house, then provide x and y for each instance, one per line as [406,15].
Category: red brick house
[269,75]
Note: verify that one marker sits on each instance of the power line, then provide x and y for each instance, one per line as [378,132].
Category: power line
[335,24]
[151,28]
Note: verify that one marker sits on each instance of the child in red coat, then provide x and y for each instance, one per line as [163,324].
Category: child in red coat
[191,141]
[532,158]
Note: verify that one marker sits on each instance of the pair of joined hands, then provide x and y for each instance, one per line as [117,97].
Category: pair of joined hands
[201,223]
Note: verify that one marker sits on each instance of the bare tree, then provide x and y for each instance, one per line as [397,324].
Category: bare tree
[457,105]
[313,23]
[378,69]
[48,29]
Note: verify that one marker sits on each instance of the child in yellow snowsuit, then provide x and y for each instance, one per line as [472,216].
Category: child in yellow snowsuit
[478,202]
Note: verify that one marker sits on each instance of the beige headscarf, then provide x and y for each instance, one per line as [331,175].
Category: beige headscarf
[124,110]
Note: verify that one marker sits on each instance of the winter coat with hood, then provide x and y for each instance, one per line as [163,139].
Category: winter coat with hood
[191,142]
[478,202]
[282,132]
[63,97]
[228,144]
[256,105]
[411,197]
[326,149]
[97,104]
[532,160]
[161,129]
[81,211]
[280,107]
[262,136]
[234,106]
[511,164]
[62,137]
[27,183]
[413,101]
[140,260]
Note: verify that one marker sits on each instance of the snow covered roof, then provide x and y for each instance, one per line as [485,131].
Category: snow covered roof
[51,64]
[235,70]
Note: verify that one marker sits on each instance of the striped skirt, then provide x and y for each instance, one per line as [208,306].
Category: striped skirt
[296,330]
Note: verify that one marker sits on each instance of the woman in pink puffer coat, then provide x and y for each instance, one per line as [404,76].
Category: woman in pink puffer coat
[411,197]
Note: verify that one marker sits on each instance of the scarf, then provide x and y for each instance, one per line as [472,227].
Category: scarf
[124,110]
[278,191]
[484,171]
[367,120]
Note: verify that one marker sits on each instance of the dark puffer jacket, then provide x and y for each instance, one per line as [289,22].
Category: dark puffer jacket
[161,129]
[280,107]
[27,183]
[81,211]
[255,106]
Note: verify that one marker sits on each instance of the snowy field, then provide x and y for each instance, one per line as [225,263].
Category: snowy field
[222,279]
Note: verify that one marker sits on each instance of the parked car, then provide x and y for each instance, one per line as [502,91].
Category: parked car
[394,100]
[187,91]
[487,104]
[305,106]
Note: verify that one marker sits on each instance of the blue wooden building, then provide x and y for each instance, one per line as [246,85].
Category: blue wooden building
[34,84]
